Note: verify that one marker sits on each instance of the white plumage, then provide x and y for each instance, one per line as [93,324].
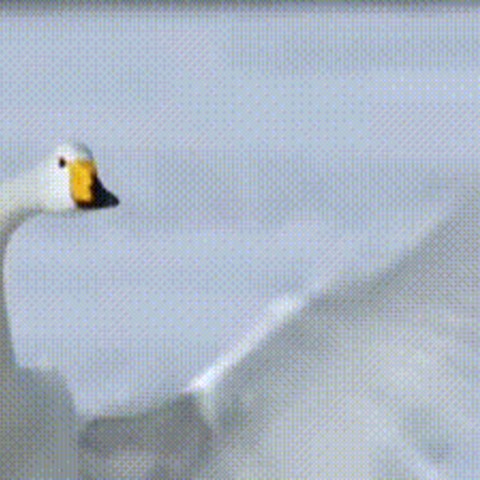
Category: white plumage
[372,376]
[38,425]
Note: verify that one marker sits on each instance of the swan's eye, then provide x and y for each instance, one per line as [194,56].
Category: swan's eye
[62,162]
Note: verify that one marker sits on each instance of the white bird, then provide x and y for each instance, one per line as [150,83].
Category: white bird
[38,426]
[373,376]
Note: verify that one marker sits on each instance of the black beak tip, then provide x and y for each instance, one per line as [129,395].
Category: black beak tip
[108,199]
[102,198]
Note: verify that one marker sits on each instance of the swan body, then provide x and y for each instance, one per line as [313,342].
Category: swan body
[371,376]
[38,426]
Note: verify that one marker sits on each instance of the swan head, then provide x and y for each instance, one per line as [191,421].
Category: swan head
[69,180]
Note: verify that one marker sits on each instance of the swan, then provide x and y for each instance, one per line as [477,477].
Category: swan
[38,426]
[370,376]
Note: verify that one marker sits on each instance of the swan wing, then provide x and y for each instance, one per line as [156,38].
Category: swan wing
[165,442]
[375,377]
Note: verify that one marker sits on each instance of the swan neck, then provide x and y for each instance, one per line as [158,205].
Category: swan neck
[12,214]
[7,357]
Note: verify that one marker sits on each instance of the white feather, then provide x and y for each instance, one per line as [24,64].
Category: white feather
[372,375]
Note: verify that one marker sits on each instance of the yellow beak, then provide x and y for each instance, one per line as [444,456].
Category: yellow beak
[82,177]
[86,189]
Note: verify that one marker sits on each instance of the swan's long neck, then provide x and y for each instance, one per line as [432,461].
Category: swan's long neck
[16,205]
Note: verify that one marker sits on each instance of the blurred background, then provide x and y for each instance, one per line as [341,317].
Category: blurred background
[255,150]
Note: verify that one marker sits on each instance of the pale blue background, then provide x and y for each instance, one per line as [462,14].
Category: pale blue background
[245,145]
